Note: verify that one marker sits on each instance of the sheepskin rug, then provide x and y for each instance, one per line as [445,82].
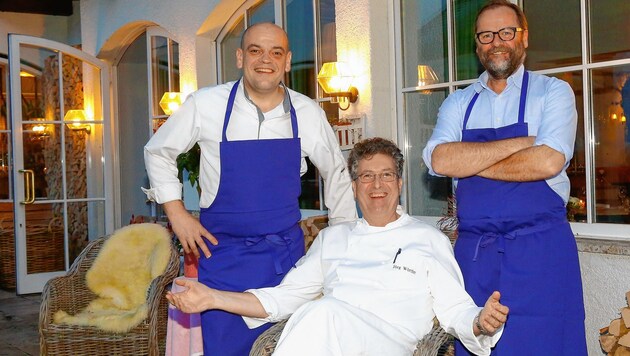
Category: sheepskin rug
[120,277]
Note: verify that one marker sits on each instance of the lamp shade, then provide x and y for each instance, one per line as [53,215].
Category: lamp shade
[170,102]
[335,77]
[74,119]
[426,75]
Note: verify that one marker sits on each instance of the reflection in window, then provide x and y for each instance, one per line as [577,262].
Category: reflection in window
[610,36]
[164,74]
[424,38]
[554,41]
[612,145]
[231,42]
[467,64]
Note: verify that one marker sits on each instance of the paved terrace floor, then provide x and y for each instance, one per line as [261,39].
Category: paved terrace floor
[19,316]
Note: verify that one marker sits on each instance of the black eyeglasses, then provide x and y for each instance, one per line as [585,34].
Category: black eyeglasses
[369,177]
[505,34]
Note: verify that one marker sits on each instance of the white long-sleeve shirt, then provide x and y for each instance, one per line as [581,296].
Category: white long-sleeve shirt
[354,262]
[200,119]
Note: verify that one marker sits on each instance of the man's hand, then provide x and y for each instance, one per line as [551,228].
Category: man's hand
[198,297]
[188,229]
[492,316]
[195,299]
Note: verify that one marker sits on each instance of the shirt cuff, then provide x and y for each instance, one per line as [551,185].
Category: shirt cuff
[264,299]
[164,193]
[478,345]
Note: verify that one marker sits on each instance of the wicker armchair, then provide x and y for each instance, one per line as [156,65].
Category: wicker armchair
[435,343]
[71,294]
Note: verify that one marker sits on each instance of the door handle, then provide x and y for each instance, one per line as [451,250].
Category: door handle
[29,182]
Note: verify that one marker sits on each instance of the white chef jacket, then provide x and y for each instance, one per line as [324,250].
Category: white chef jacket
[200,119]
[404,273]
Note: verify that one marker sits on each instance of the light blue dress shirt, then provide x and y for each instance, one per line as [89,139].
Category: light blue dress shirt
[549,112]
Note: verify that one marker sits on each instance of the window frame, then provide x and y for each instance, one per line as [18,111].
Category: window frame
[589,228]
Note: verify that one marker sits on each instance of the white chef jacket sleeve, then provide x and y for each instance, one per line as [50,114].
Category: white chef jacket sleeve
[302,284]
[452,305]
[177,135]
[322,148]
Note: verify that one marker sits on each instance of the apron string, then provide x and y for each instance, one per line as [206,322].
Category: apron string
[488,238]
[273,241]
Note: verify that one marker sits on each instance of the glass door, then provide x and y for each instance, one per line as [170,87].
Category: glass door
[60,149]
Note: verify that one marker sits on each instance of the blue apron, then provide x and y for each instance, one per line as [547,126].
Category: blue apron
[255,219]
[514,237]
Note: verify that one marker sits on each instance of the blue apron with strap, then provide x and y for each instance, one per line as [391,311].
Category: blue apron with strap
[514,237]
[255,219]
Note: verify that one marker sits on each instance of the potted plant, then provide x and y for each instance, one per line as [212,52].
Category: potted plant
[190,162]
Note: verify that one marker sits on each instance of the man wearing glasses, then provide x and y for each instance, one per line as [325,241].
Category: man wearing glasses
[507,140]
[383,279]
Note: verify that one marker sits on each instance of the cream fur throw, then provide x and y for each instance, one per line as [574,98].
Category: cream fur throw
[120,277]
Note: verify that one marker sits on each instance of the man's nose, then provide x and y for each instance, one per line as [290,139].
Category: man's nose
[377,180]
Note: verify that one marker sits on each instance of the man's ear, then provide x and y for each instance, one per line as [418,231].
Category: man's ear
[354,189]
[287,66]
[239,58]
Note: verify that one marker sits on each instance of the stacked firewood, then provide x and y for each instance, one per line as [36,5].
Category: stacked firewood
[615,338]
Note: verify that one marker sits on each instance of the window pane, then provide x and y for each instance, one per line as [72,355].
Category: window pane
[299,16]
[554,41]
[230,43]
[427,194]
[610,35]
[424,39]
[261,12]
[577,166]
[466,63]
[174,66]
[327,31]
[159,71]
[611,94]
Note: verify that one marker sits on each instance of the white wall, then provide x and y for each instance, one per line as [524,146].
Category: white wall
[102,20]
[56,28]
[365,40]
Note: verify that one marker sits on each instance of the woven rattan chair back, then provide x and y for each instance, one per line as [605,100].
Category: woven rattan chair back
[70,293]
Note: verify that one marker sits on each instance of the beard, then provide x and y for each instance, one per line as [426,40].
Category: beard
[500,68]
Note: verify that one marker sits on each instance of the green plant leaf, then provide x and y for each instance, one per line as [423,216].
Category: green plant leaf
[190,161]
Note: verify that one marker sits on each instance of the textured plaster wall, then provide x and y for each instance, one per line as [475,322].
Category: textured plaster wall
[365,40]
[54,28]
[606,279]
[101,20]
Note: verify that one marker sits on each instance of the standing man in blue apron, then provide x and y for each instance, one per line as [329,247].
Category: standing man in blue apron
[507,140]
[254,135]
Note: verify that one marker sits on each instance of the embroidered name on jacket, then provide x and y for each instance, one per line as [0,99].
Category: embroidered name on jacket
[404,268]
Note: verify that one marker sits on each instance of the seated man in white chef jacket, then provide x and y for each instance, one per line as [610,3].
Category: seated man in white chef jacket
[382,279]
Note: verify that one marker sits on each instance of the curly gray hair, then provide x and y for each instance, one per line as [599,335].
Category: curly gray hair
[368,148]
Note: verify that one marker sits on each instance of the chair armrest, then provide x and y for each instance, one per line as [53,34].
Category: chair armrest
[436,342]
[265,344]
[68,293]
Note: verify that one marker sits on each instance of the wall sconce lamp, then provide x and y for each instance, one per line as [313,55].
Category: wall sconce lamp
[75,120]
[426,76]
[336,81]
[170,102]
[40,130]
